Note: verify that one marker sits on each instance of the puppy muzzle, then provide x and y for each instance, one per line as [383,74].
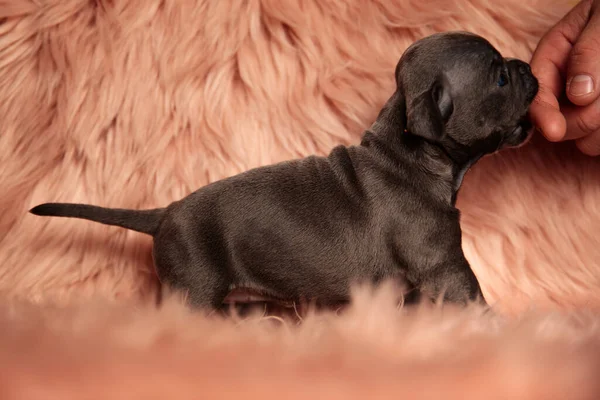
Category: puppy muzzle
[521,73]
[520,135]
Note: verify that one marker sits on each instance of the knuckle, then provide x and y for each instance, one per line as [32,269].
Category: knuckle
[587,125]
[543,99]
[570,26]
[590,147]
[537,102]
[585,51]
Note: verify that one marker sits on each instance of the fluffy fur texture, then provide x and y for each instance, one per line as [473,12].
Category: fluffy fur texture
[372,351]
[161,97]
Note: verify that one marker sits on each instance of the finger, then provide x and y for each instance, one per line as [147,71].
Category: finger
[549,61]
[546,116]
[582,121]
[551,56]
[590,144]
[549,65]
[583,70]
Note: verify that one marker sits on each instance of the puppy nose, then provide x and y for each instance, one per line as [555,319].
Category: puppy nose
[524,68]
[526,76]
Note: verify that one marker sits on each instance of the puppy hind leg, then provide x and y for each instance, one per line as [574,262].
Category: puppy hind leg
[201,285]
[454,284]
[197,295]
[209,296]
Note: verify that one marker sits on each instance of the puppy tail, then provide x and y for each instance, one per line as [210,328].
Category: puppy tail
[144,221]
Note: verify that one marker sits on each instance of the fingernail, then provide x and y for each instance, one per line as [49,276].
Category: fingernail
[581,85]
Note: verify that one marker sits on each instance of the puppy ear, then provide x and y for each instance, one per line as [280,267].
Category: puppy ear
[429,112]
[391,120]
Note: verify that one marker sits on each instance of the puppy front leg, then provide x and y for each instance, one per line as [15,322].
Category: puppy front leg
[455,282]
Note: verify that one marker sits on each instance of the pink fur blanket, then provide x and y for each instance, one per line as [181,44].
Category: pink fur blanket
[161,97]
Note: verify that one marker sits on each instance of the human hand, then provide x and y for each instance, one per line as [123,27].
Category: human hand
[567,65]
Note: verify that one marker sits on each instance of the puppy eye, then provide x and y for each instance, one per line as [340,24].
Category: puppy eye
[503,80]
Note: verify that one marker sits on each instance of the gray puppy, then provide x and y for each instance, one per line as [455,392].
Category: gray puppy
[384,209]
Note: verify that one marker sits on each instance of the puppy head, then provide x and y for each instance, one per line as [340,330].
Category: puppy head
[459,92]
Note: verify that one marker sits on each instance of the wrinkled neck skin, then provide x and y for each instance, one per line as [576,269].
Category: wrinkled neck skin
[461,160]
[445,163]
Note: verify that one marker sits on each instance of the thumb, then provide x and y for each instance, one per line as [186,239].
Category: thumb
[583,69]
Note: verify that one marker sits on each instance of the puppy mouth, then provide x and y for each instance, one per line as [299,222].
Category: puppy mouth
[525,124]
[522,132]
